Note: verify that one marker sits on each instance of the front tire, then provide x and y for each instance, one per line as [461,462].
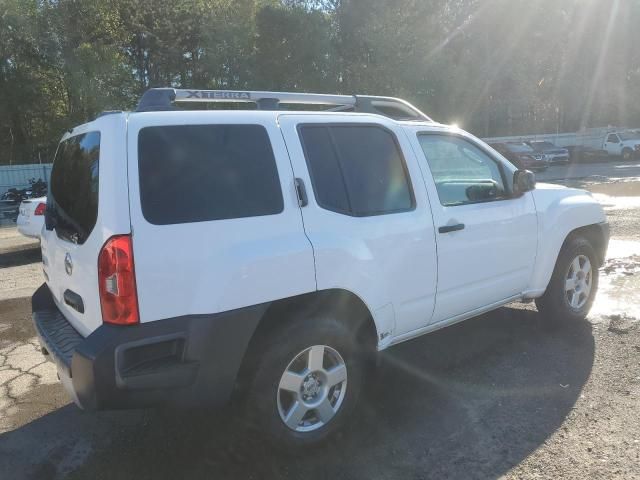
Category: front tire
[627,154]
[573,285]
[307,383]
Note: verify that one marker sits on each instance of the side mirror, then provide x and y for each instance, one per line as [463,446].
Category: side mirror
[523,181]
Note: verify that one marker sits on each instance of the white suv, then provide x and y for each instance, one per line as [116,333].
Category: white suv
[189,255]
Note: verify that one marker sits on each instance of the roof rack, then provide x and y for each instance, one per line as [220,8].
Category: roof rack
[161,99]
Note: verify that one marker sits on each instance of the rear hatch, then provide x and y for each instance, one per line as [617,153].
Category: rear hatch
[81,215]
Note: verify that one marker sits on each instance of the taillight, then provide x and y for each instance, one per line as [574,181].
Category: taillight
[40,209]
[117,282]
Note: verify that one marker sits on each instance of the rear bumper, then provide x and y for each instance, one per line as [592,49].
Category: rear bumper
[29,228]
[184,361]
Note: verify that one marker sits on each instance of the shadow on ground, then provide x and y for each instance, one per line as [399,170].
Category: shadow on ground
[470,401]
[23,255]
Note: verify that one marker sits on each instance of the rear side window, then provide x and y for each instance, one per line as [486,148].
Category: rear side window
[72,206]
[356,170]
[197,173]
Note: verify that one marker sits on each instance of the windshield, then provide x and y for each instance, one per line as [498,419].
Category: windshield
[629,136]
[541,146]
[73,204]
[519,147]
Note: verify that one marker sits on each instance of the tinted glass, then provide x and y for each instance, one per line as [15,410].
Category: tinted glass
[356,170]
[72,206]
[462,172]
[196,173]
[629,136]
[519,147]
[542,146]
[612,139]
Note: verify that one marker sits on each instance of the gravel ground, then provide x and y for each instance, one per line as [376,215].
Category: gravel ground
[20,270]
[499,396]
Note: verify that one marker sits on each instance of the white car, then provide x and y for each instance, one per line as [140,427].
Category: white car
[31,216]
[189,255]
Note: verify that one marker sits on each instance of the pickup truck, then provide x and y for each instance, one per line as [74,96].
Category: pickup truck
[314,240]
[622,144]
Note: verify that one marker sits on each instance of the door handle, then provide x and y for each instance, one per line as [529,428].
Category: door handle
[301,192]
[451,228]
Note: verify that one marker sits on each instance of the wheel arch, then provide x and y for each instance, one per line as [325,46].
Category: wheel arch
[344,304]
[597,234]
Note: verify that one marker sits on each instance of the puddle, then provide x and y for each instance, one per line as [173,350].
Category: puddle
[622,248]
[619,289]
[617,203]
[617,189]
[618,195]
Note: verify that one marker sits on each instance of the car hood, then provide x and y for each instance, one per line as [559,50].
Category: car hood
[554,187]
[550,199]
[552,192]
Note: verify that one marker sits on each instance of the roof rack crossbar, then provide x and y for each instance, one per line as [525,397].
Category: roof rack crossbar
[158,99]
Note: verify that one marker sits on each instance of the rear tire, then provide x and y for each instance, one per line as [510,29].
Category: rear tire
[307,382]
[573,284]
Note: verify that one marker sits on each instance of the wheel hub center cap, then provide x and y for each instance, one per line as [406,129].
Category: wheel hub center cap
[310,386]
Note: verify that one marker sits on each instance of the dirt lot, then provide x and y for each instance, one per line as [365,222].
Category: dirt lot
[499,396]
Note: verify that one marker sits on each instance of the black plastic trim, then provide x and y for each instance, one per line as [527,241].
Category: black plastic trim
[55,333]
[74,300]
[199,370]
[451,228]
[157,100]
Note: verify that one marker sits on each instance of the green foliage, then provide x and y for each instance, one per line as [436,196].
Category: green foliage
[493,66]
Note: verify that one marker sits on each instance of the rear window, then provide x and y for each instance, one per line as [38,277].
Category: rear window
[197,173]
[356,170]
[72,206]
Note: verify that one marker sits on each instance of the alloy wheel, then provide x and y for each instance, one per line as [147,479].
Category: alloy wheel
[312,388]
[578,282]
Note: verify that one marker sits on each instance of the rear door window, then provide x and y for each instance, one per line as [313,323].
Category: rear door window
[197,173]
[357,170]
[72,206]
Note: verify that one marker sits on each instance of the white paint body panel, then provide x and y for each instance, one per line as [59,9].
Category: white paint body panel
[385,259]
[560,210]
[492,258]
[215,266]
[30,225]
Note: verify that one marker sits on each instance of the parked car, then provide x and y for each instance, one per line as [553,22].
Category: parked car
[623,144]
[582,154]
[554,154]
[315,240]
[522,155]
[31,216]
[11,200]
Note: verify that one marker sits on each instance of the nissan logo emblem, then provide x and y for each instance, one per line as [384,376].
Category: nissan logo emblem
[68,264]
